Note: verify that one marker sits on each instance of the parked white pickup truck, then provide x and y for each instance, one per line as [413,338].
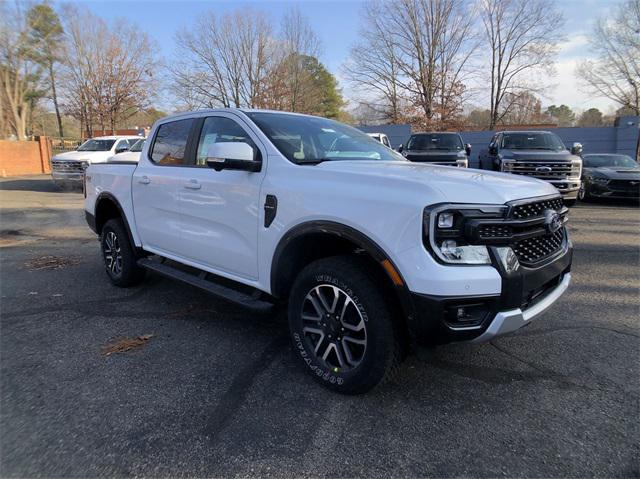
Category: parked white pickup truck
[68,168]
[372,253]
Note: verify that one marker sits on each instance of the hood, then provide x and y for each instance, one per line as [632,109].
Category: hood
[613,173]
[455,185]
[545,155]
[90,156]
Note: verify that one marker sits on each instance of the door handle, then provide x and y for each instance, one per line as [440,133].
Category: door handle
[144,180]
[193,185]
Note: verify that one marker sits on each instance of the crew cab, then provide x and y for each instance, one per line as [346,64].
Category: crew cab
[68,168]
[538,154]
[371,254]
[438,148]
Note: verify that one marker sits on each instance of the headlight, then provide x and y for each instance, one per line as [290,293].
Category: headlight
[462,163]
[404,153]
[600,180]
[576,169]
[444,232]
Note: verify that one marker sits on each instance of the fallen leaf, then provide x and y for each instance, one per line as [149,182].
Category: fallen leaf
[125,344]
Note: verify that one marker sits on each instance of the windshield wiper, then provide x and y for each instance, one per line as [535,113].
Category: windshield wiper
[313,161]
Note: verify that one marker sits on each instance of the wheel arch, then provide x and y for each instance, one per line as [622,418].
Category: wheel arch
[108,207]
[330,238]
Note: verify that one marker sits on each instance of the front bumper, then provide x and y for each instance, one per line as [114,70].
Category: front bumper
[71,177]
[508,321]
[619,192]
[525,294]
[568,189]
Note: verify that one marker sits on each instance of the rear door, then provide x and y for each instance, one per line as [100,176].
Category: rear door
[221,208]
[156,186]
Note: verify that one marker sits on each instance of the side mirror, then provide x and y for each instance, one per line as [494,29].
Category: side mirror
[121,149]
[235,155]
[576,149]
[400,148]
[467,149]
[493,150]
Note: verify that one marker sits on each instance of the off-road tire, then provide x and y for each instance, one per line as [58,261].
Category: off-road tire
[128,273]
[362,284]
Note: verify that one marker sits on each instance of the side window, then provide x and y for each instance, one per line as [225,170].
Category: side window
[170,142]
[218,129]
[121,144]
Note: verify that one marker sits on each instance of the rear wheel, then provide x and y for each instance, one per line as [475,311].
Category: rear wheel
[120,259]
[342,325]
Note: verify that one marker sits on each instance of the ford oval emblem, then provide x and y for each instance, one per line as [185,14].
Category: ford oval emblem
[552,221]
[543,169]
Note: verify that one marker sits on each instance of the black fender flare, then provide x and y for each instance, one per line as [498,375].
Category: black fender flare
[106,196]
[354,236]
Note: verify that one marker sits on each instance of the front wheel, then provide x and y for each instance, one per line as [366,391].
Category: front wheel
[342,325]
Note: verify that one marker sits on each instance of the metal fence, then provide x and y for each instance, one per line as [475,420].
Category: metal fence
[60,145]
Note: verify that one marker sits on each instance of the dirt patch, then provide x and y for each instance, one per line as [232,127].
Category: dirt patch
[51,262]
[125,344]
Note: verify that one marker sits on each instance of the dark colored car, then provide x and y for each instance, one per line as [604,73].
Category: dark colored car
[437,148]
[539,154]
[610,176]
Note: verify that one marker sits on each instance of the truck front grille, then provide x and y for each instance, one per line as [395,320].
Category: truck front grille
[535,250]
[543,170]
[67,166]
[527,228]
[536,208]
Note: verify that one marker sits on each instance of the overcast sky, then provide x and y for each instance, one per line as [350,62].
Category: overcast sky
[337,25]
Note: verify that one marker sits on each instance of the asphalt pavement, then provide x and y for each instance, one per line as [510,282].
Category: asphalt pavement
[213,390]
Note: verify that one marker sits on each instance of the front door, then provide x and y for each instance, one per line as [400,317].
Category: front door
[220,208]
[156,185]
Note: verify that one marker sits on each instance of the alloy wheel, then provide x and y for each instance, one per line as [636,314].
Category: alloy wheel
[334,327]
[112,253]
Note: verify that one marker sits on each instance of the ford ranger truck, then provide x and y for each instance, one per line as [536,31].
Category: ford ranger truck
[370,253]
[538,154]
[438,148]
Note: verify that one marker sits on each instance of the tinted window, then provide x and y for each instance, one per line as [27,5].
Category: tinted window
[310,139]
[531,141]
[96,145]
[171,141]
[217,129]
[434,141]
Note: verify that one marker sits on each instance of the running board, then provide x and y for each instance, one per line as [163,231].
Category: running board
[201,281]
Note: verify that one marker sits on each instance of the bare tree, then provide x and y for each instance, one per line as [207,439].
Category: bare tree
[522,38]
[224,61]
[416,56]
[374,67]
[20,75]
[616,72]
[109,70]
[298,41]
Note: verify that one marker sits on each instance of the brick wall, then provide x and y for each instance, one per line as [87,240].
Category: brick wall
[25,157]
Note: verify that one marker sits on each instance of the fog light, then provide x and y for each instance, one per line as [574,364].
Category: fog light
[466,315]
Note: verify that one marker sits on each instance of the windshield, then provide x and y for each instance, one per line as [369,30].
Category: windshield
[310,139]
[531,141]
[96,145]
[137,146]
[597,161]
[435,141]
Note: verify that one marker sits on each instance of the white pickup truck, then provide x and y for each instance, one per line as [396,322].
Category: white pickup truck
[373,254]
[67,169]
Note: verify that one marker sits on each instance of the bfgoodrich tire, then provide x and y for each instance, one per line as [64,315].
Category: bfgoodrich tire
[120,259]
[342,325]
